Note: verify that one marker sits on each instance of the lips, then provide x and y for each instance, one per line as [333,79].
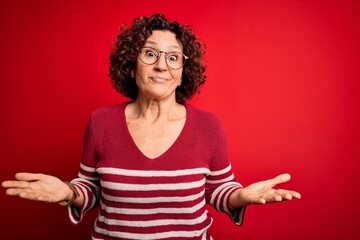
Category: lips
[158,79]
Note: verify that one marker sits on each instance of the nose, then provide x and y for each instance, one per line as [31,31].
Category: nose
[161,62]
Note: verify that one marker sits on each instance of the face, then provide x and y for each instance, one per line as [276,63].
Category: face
[158,81]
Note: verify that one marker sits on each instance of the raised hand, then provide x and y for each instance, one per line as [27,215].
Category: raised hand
[38,187]
[263,192]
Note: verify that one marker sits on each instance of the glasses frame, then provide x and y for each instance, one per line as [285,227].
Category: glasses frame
[158,55]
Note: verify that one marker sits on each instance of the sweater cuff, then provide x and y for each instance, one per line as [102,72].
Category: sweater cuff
[75,213]
[235,214]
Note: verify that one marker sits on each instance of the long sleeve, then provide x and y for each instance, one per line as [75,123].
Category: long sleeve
[87,180]
[220,183]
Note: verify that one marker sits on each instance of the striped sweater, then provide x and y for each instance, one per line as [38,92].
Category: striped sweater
[161,198]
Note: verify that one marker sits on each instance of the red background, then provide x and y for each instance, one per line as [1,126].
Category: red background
[282,75]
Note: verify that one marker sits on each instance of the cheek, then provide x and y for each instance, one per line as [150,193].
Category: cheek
[139,73]
[139,70]
[177,76]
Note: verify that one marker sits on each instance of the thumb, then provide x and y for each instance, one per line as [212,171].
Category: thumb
[282,178]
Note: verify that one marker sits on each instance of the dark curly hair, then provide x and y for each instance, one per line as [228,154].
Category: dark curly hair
[131,39]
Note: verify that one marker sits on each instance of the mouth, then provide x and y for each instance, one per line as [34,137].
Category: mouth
[158,79]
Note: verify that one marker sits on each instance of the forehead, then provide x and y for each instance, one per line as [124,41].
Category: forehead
[164,39]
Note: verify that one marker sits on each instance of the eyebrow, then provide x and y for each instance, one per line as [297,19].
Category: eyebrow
[155,43]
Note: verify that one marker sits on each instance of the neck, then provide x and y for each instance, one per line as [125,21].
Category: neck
[154,110]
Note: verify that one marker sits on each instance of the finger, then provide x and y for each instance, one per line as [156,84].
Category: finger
[26,194]
[273,198]
[15,184]
[7,184]
[17,191]
[29,177]
[282,178]
[11,184]
[257,200]
[285,194]
[288,194]
[296,194]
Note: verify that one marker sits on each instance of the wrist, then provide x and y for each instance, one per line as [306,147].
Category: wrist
[73,194]
[233,200]
[236,200]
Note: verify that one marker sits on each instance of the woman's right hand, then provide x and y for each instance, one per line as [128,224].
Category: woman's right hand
[38,187]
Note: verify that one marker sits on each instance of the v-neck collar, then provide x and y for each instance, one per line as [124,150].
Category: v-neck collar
[137,149]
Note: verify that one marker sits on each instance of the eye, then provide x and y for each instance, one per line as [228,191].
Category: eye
[150,53]
[174,57]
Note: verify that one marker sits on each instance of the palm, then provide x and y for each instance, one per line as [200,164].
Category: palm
[264,192]
[38,187]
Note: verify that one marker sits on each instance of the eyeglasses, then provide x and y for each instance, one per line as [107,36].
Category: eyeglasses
[174,60]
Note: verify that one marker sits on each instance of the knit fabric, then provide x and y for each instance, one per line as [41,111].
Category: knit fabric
[161,198]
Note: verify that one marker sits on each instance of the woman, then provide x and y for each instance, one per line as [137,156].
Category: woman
[154,162]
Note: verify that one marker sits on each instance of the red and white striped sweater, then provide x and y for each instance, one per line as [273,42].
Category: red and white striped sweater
[161,198]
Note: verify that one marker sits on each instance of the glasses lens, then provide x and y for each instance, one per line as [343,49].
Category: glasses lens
[175,60]
[148,55]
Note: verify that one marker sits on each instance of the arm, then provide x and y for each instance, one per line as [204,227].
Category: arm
[221,182]
[263,192]
[50,189]
[41,187]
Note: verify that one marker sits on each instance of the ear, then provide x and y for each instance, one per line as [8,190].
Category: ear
[132,73]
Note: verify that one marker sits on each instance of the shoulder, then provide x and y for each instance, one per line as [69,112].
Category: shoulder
[108,115]
[108,111]
[204,120]
[202,115]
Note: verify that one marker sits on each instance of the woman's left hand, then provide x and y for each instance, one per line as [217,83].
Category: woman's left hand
[263,192]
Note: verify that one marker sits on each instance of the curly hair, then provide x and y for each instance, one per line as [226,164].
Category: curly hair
[126,48]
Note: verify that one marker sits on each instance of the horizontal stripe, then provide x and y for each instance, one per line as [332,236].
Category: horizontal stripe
[220,188]
[154,223]
[76,218]
[220,196]
[86,182]
[92,187]
[134,211]
[80,175]
[203,237]
[152,187]
[154,199]
[86,168]
[87,206]
[152,173]
[222,171]
[225,203]
[93,202]
[151,236]
[221,180]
